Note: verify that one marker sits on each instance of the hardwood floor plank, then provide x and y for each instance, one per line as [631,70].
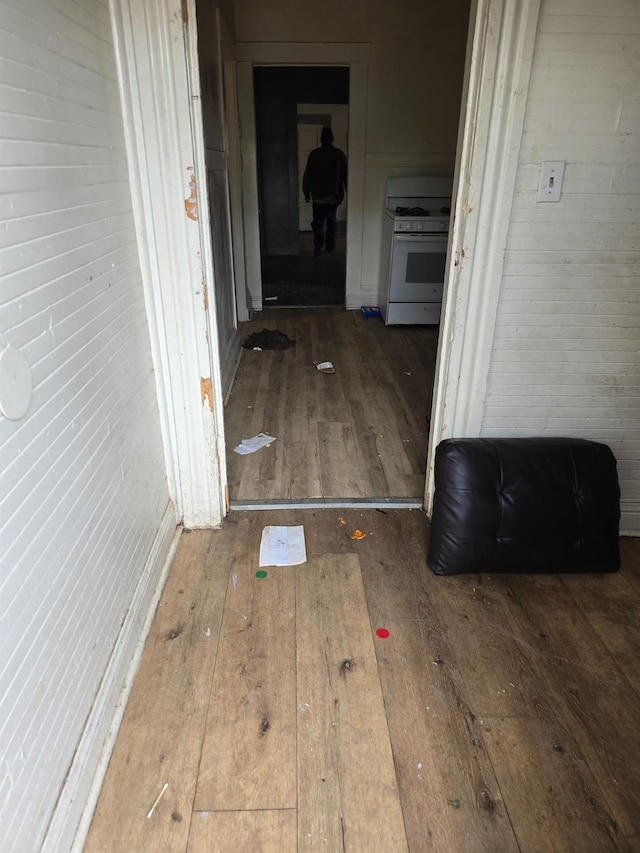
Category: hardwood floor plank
[630,556]
[301,472]
[516,694]
[235,832]
[347,789]
[366,439]
[331,404]
[301,413]
[586,690]
[340,466]
[554,802]
[448,788]
[405,362]
[377,439]
[470,619]
[613,610]
[394,568]
[160,736]
[326,534]
[380,406]
[249,748]
[274,423]
[258,474]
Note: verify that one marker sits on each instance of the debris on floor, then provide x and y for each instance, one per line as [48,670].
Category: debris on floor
[250,445]
[283,546]
[325,366]
[358,534]
[153,807]
[268,339]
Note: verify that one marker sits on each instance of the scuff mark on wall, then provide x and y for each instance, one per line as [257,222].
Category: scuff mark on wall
[191,203]
[206,391]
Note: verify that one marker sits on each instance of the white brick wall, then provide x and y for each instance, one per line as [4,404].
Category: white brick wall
[566,351]
[82,477]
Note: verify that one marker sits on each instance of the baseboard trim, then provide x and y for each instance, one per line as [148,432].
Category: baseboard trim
[71,819]
[629,518]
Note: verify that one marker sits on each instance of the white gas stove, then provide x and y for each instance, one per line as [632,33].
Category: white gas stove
[415,238]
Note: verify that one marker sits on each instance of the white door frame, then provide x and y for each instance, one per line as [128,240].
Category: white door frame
[502,35]
[156,48]
[231,131]
[356,57]
[158,54]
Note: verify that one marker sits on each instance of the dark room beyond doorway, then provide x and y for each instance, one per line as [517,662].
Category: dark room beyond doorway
[293,104]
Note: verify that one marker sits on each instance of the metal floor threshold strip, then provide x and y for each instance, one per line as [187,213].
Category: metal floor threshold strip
[329,503]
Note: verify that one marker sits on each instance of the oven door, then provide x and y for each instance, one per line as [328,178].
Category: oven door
[417,267]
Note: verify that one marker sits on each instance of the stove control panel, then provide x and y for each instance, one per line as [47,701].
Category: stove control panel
[427,224]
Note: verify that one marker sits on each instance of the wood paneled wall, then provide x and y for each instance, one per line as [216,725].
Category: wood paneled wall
[565,357]
[83,490]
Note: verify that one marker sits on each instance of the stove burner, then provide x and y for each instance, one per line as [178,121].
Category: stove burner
[412,211]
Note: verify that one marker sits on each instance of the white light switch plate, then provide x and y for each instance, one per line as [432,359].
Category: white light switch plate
[550,186]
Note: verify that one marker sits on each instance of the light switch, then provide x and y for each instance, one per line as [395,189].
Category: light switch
[550,186]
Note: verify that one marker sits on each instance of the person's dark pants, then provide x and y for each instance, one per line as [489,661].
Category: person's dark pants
[320,213]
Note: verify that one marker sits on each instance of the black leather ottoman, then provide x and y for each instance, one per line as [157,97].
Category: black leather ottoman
[524,505]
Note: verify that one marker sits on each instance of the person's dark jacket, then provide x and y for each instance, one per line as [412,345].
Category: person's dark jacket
[325,174]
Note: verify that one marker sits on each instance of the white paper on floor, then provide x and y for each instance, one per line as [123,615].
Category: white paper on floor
[283,546]
[250,445]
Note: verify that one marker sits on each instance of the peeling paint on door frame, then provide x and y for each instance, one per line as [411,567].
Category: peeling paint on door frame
[191,203]
[206,391]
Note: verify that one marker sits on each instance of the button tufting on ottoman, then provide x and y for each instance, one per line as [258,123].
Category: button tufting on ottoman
[524,505]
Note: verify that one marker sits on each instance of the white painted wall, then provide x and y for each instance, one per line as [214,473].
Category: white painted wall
[86,523]
[413,94]
[565,357]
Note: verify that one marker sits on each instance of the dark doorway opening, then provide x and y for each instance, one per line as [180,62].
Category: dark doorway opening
[292,106]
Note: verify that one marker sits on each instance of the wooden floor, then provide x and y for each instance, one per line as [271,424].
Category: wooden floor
[304,279]
[358,433]
[502,713]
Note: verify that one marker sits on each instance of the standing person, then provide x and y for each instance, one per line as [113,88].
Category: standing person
[324,183]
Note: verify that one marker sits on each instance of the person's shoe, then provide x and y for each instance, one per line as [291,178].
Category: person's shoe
[316,251]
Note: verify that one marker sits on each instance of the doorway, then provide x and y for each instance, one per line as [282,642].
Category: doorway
[292,105]
[186,350]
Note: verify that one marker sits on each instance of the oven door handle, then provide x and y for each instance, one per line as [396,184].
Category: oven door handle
[421,238]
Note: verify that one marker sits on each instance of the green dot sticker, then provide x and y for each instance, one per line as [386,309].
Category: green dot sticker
[261,574]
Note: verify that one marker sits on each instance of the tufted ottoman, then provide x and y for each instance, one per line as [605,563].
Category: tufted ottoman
[524,505]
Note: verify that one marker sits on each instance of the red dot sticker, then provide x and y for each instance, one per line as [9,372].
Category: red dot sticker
[382,633]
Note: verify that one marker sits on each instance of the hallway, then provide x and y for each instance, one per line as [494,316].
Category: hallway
[302,279]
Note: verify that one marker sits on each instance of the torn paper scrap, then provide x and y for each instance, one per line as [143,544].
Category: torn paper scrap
[325,366]
[283,546]
[250,445]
